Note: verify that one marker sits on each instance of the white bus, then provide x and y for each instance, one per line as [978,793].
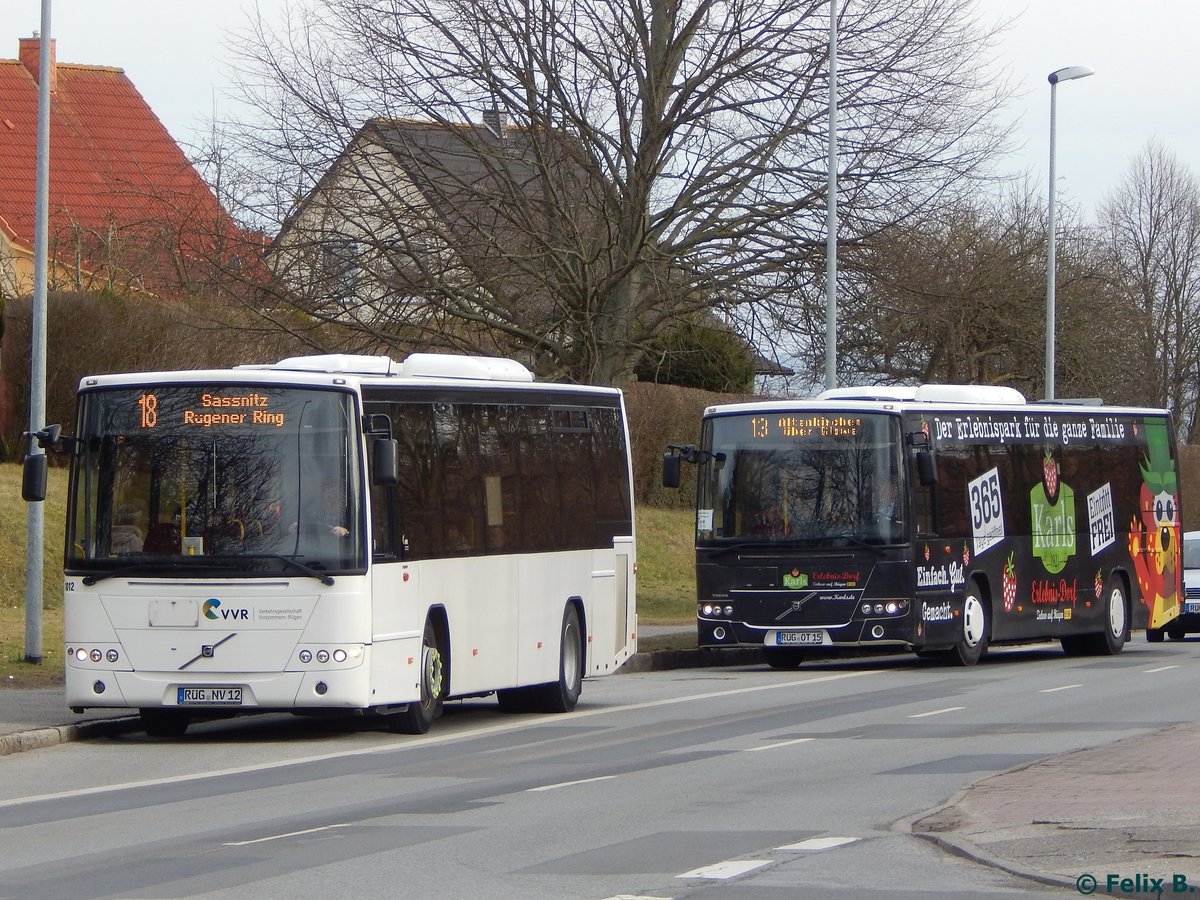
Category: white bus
[345,533]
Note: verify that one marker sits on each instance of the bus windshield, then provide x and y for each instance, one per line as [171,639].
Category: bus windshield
[789,478]
[232,479]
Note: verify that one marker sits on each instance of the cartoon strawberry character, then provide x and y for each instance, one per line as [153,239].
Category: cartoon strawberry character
[1010,584]
[1050,476]
[1154,533]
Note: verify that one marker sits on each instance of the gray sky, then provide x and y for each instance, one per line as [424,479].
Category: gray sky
[1146,56]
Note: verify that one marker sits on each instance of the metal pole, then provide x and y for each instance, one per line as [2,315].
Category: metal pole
[1050,249]
[1068,74]
[34,548]
[831,222]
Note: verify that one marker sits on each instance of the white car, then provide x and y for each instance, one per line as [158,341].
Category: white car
[1189,619]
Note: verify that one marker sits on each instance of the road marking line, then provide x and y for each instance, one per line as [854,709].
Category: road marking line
[1159,669]
[936,712]
[778,745]
[1065,687]
[729,869]
[428,740]
[280,837]
[562,784]
[826,843]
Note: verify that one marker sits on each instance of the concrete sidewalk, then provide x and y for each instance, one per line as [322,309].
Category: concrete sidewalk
[1123,813]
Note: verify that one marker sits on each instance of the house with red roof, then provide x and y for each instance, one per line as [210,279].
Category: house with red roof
[127,210]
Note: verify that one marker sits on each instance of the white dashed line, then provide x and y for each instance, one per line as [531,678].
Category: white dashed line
[1065,687]
[776,746]
[827,843]
[729,869]
[280,837]
[563,784]
[936,712]
[1159,669]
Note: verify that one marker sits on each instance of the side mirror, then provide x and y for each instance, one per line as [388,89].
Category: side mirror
[670,476]
[33,478]
[926,470]
[385,461]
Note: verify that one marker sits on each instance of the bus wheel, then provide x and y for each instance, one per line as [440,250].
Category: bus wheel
[420,714]
[515,700]
[164,722]
[1116,625]
[1176,634]
[783,657]
[562,695]
[973,636]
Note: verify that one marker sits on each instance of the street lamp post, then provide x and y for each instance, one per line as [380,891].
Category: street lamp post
[1067,74]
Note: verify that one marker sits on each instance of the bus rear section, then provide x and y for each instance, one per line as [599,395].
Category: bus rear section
[941,519]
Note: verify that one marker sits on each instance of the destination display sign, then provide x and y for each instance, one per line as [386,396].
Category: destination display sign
[210,410]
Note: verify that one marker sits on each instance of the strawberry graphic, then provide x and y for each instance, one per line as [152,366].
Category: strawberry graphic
[966,555]
[1099,585]
[926,553]
[1050,476]
[1010,584]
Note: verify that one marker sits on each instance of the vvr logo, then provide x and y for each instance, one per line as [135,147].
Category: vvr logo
[211,612]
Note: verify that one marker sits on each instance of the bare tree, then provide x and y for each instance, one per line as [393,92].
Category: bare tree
[669,155]
[1152,222]
[961,297]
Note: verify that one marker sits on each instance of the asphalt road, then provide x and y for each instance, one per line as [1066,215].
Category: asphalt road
[733,782]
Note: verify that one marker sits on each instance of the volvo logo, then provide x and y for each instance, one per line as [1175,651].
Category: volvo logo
[795,607]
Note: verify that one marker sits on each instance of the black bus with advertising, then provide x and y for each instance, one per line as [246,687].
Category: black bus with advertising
[940,519]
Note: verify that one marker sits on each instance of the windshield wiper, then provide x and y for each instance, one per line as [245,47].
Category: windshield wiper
[227,563]
[304,569]
[138,568]
[856,541]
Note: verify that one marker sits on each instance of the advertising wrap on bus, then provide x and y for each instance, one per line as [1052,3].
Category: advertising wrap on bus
[939,526]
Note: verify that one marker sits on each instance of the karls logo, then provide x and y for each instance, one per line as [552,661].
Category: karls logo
[1052,507]
[211,610]
[795,580]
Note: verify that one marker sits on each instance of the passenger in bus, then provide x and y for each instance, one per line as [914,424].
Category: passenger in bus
[127,536]
[887,505]
[771,522]
[321,517]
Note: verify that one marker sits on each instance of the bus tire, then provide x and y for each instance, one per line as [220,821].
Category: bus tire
[562,695]
[1176,634]
[515,700]
[164,722]
[974,628]
[419,715]
[783,657]
[1116,620]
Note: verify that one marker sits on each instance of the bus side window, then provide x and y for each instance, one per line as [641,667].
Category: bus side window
[924,506]
[383,530]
